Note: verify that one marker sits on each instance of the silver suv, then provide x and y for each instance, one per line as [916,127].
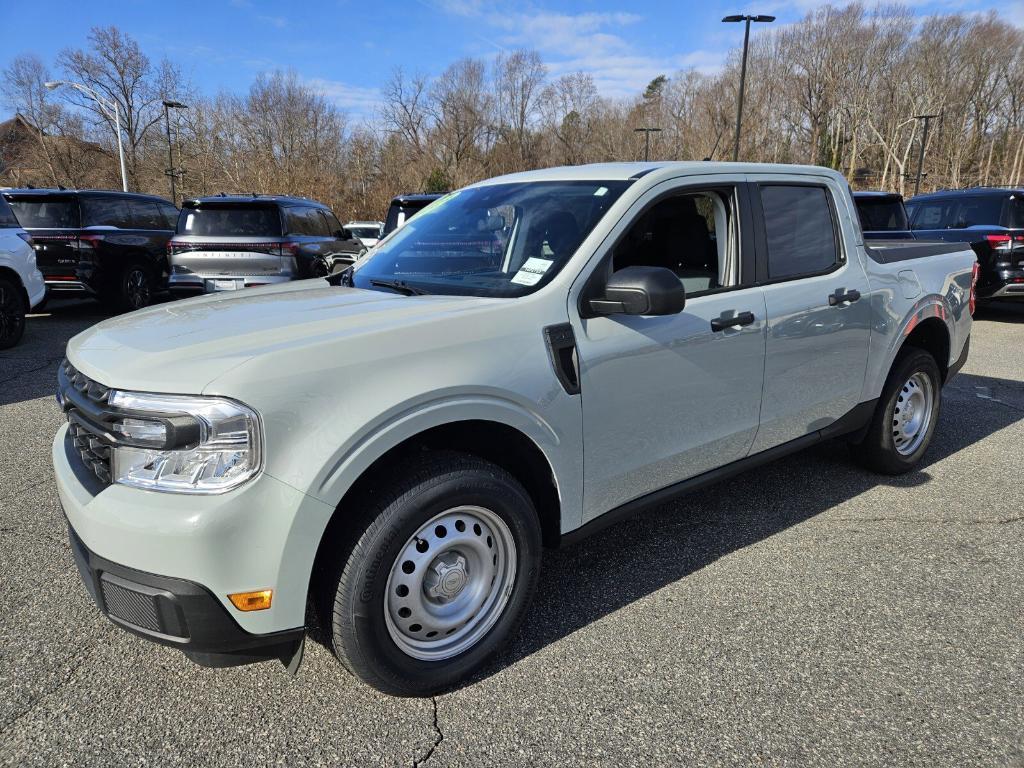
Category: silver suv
[228,242]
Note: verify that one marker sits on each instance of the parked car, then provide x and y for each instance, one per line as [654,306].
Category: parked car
[368,232]
[538,356]
[990,218]
[883,216]
[110,245]
[228,242]
[403,208]
[21,282]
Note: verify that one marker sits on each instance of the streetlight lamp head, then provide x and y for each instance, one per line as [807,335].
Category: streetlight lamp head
[174,104]
[51,84]
[734,17]
[764,18]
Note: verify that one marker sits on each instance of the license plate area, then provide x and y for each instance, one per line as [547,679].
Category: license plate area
[223,285]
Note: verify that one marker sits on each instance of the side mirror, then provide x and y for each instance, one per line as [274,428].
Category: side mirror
[641,291]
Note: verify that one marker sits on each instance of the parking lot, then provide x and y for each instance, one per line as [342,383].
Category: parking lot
[806,613]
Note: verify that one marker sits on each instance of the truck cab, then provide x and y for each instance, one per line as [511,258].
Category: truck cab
[527,360]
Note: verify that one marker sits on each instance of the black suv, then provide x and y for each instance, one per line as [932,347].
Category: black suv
[111,245]
[228,242]
[991,219]
[403,208]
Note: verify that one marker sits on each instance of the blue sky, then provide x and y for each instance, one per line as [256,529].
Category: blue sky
[349,48]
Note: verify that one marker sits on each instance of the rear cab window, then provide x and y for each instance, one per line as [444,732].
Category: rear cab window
[1015,212]
[46,211]
[800,231]
[882,214]
[230,220]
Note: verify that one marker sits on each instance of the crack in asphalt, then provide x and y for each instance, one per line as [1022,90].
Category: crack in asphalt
[35,703]
[438,738]
[41,366]
[929,521]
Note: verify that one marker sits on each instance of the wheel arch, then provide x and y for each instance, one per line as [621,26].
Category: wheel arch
[494,441]
[931,335]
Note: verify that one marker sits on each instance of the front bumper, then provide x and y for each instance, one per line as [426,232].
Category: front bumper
[263,535]
[176,612]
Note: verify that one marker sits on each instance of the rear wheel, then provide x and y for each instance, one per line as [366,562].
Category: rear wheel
[133,289]
[13,308]
[438,578]
[904,421]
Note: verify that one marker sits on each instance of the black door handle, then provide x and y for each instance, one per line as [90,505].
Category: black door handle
[843,298]
[721,323]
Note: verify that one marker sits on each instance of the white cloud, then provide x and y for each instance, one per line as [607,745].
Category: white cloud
[275,21]
[355,99]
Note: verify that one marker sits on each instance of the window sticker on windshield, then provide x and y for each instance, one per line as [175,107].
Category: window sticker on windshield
[601,192]
[532,271]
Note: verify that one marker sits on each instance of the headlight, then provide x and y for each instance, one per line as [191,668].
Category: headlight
[183,444]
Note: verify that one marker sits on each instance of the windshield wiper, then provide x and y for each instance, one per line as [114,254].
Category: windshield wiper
[400,286]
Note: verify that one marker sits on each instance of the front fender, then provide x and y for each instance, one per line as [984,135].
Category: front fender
[399,424]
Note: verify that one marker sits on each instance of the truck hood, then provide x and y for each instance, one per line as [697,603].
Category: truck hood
[182,346]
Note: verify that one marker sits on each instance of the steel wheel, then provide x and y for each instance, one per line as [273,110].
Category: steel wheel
[912,414]
[12,314]
[136,288]
[450,583]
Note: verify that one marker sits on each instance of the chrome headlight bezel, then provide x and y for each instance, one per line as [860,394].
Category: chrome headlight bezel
[186,444]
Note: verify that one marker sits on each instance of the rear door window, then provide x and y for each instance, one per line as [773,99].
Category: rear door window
[799,230]
[230,220]
[43,212]
[333,225]
[106,212]
[974,211]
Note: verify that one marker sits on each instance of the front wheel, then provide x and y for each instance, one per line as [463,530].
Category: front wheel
[904,421]
[13,308]
[439,578]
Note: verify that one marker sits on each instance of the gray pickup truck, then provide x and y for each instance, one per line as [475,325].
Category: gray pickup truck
[526,361]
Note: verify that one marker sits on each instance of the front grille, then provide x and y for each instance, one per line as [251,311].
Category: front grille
[135,608]
[88,441]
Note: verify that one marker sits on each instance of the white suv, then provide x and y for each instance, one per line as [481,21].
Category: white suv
[21,283]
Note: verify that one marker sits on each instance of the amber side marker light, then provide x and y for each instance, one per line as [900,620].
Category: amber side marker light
[252,601]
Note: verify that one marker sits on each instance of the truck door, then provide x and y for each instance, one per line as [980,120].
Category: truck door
[819,309]
[669,397]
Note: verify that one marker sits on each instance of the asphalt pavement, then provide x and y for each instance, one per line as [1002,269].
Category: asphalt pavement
[807,613]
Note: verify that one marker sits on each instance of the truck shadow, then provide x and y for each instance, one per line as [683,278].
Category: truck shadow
[626,562]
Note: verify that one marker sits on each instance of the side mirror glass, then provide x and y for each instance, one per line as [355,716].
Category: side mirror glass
[641,291]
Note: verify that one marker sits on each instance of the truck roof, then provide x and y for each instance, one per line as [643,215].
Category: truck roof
[983,191]
[656,170]
[238,198]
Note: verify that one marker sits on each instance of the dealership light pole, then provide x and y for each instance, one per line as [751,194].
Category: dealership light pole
[171,171]
[920,156]
[647,139]
[106,107]
[743,70]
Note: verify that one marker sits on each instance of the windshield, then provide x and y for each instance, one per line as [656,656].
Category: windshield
[230,220]
[38,212]
[495,240]
[364,233]
[883,214]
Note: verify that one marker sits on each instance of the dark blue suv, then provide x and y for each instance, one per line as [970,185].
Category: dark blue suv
[991,219]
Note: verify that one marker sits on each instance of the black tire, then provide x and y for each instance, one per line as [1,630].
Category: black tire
[132,290]
[353,585]
[878,450]
[13,309]
[320,268]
